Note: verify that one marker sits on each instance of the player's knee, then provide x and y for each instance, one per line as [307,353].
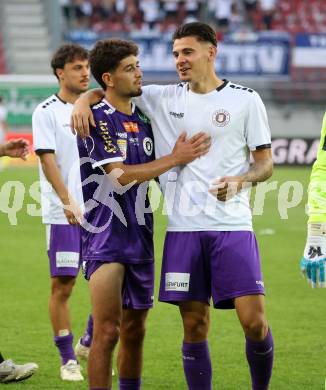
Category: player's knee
[133,332]
[196,327]
[256,328]
[62,288]
[108,334]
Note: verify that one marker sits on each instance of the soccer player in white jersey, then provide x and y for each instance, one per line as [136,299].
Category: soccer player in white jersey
[61,195]
[210,249]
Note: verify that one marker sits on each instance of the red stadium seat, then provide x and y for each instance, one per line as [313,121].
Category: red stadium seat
[3,67]
[297,16]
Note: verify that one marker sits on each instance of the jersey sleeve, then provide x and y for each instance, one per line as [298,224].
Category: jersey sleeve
[149,99]
[101,145]
[3,114]
[44,139]
[317,187]
[257,131]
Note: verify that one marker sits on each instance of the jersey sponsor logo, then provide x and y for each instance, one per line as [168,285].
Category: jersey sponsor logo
[104,133]
[67,259]
[143,118]
[131,127]
[148,146]
[134,141]
[122,143]
[177,281]
[221,118]
[178,115]
[121,135]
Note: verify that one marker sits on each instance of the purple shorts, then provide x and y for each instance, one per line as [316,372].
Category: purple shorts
[199,265]
[64,248]
[138,285]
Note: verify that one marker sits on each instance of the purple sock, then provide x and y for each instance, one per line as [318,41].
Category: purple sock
[100,388]
[260,355]
[197,365]
[64,345]
[129,384]
[86,340]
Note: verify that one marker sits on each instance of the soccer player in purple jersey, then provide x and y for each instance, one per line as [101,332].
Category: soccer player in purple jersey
[210,249]
[117,160]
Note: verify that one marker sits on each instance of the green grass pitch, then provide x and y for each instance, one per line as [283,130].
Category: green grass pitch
[296,312]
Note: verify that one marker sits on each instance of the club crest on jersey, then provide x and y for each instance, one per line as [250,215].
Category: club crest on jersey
[148,146]
[122,143]
[221,118]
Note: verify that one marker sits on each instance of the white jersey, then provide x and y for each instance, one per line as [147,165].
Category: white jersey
[52,133]
[236,119]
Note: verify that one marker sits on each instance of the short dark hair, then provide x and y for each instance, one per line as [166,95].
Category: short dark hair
[202,31]
[67,53]
[107,54]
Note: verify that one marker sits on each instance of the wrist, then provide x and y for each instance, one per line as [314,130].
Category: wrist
[246,181]
[317,229]
[243,183]
[174,160]
[65,200]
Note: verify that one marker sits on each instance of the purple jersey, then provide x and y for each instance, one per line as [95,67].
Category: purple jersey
[118,220]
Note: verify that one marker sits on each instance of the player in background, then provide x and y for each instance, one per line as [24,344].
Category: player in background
[62,206]
[3,120]
[210,247]
[10,371]
[117,160]
[3,123]
[16,148]
[314,256]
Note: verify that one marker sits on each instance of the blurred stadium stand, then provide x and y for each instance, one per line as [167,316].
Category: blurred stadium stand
[3,67]
[300,16]
[27,35]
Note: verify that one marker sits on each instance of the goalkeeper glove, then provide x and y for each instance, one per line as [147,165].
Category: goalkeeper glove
[314,257]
